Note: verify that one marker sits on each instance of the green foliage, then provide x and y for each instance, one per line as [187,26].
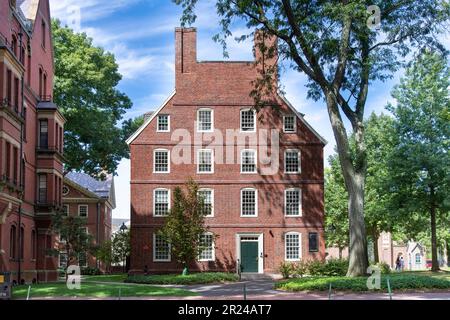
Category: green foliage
[398,282]
[286,269]
[89,271]
[185,224]
[121,246]
[85,89]
[194,278]
[104,252]
[384,267]
[420,163]
[299,269]
[332,267]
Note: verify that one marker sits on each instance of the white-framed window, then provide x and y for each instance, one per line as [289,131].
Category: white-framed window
[205,161]
[161,202]
[65,190]
[293,203]
[66,210]
[249,202]
[208,201]
[292,161]
[161,249]
[161,161]
[290,123]
[82,259]
[292,242]
[163,123]
[248,161]
[207,250]
[62,261]
[205,120]
[248,120]
[83,210]
[418,258]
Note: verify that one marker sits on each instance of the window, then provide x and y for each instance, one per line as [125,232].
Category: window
[40,81]
[44,33]
[161,249]
[66,210]
[65,190]
[22,243]
[313,242]
[24,124]
[163,123]
[14,45]
[206,245]
[249,207]
[161,199]
[205,161]
[161,161]
[42,188]
[33,244]
[248,120]
[16,165]
[82,259]
[43,134]
[289,124]
[205,120]
[292,161]
[83,210]
[207,195]
[292,245]
[248,161]
[9,87]
[418,258]
[292,200]
[62,260]
[16,94]
[8,161]
[12,242]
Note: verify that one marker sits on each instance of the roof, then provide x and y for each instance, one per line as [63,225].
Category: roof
[102,189]
[29,8]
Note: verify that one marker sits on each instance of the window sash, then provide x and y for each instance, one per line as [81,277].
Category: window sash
[292,245]
[207,247]
[205,119]
[207,196]
[248,120]
[205,161]
[161,160]
[83,211]
[248,203]
[161,249]
[42,190]
[293,202]
[162,200]
[248,161]
[292,161]
[163,123]
[289,123]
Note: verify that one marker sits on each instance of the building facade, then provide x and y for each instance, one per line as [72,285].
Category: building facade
[31,142]
[93,200]
[261,212]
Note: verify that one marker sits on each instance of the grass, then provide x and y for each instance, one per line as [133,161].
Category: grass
[195,278]
[106,278]
[91,290]
[399,281]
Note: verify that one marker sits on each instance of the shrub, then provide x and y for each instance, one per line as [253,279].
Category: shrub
[384,267]
[190,279]
[299,269]
[315,268]
[88,271]
[286,270]
[335,267]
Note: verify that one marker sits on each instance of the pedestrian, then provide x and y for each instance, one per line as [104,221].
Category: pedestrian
[397,264]
[402,263]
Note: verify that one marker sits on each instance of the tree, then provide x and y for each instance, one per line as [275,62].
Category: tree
[103,253]
[121,247]
[341,52]
[86,79]
[420,162]
[378,215]
[75,241]
[185,225]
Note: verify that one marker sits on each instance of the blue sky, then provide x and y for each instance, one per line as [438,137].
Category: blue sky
[141,35]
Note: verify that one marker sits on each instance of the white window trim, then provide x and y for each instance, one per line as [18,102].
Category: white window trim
[299,244]
[86,261]
[168,161]
[59,258]
[256,161]
[168,123]
[254,120]
[212,119]
[213,249]
[198,161]
[154,201]
[68,209]
[154,252]
[87,210]
[299,154]
[300,213]
[295,123]
[256,204]
[212,201]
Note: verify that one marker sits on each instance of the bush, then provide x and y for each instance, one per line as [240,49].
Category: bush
[335,267]
[286,270]
[177,279]
[88,271]
[299,269]
[384,267]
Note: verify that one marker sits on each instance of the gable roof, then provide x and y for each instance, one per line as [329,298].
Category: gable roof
[29,8]
[101,189]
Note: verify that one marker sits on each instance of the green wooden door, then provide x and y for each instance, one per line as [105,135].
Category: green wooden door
[249,256]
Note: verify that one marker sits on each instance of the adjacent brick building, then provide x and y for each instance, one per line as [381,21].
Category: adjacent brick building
[260,219]
[93,200]
[31,142]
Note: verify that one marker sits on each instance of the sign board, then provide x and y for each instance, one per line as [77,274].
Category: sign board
[2,279]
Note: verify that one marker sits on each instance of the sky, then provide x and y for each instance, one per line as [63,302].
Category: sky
[140,33]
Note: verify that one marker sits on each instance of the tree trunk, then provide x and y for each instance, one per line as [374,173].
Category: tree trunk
[340,252]
[448,253]
[376,255]
[434,255]
[354,178]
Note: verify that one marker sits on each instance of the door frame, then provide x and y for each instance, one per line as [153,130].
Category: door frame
[260,248]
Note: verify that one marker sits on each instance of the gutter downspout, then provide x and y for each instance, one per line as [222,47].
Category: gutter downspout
[98,232]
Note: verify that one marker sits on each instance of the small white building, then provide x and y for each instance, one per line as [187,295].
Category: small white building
[416,256]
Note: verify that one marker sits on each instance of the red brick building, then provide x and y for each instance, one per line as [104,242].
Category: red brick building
[93,200]
[262,212]
[31,142]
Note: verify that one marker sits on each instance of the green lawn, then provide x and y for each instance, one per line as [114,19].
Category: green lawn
[106,278]
[195,278]
[398,281]
[96,291]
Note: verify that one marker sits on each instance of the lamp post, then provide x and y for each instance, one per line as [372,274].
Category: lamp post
[123,228]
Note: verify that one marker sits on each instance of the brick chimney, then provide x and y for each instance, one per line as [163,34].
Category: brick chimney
[185,50]
[266,49]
